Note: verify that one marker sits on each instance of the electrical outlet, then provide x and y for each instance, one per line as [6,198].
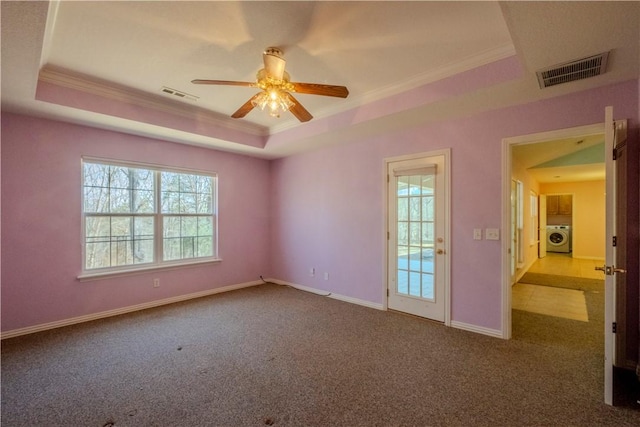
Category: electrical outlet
[326,276]
[477,234]
[156,283]
[312,272]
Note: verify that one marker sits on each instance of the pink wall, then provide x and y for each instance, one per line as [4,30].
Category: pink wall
[323,209]
[328,205]
[41,240]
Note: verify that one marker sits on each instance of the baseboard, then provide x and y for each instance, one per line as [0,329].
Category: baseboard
[477,329]
[123,310]
[328,294]
[179,298]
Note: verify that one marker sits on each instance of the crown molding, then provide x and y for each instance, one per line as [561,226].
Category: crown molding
[64,78]
[431,76]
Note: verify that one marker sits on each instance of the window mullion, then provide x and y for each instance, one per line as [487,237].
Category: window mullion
[158,218]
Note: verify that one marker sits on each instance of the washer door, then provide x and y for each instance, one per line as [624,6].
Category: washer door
[557,238]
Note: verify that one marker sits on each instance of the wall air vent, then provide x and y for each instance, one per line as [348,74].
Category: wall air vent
[178,93]
[574,70]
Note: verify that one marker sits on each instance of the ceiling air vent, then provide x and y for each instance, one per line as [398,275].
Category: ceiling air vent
[178,93]
[574,70]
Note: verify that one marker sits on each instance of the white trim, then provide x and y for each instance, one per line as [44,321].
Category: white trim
[123,310]
[158,102]
[507,143]
[328,294]
[89,276]
[477,329]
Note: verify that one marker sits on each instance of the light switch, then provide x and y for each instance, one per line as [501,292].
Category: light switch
[477,234]
[492,234]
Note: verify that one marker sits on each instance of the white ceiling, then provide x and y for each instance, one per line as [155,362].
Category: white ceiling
[125,52]
[530,156]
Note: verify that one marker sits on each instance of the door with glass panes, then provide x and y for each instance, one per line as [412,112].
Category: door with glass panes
[417,236]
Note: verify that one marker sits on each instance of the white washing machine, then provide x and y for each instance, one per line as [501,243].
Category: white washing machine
[559,238]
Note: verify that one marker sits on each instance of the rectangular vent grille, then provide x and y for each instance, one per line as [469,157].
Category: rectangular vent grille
[574,70]
[178,93]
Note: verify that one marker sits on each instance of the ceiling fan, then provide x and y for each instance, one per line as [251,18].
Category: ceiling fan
[276,89]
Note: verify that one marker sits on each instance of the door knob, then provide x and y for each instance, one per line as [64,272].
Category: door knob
[610,270]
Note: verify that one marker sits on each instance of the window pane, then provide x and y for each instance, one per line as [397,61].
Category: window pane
[118,241]
[186,194]
[427,286]
[403,209]
[188,203]
[414,233]
[143,241]
[428,211]
[98,242]
[187,237]
[414,284]
[427,234]
[414,208]
[96,188]
[118,189]
[403,233]
[171,238]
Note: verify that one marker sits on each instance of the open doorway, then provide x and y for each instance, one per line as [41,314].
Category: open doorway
[559,176]
[612,293]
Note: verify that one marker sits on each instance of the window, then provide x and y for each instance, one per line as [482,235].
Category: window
[136,216]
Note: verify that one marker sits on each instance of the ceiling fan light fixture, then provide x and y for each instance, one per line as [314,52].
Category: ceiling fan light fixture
[274,100]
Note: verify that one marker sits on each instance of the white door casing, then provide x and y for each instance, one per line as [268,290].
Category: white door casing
[542,226]
[418,235]
[615,133]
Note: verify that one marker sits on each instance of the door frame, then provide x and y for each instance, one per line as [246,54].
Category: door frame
[507,144]
[447,228]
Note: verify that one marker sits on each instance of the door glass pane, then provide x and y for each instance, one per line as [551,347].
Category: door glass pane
[415,235]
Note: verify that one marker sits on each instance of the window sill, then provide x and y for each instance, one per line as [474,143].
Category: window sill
[86,277]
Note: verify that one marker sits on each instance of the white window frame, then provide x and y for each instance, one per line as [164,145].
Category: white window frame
[533,219]
[158,263]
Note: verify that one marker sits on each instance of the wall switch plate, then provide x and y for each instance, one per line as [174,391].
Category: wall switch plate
[492,234]
[477,234]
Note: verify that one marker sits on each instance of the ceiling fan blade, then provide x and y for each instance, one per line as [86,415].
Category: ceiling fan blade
[245,109]
[222,82]
[320,89]
[299,111]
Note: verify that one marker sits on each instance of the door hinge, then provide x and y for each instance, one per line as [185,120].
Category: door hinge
[387,177]
[615,241]
[614,327]
[388,235]
[387,292]
[615,154]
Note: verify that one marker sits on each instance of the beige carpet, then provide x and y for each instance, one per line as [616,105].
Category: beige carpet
[271,355]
